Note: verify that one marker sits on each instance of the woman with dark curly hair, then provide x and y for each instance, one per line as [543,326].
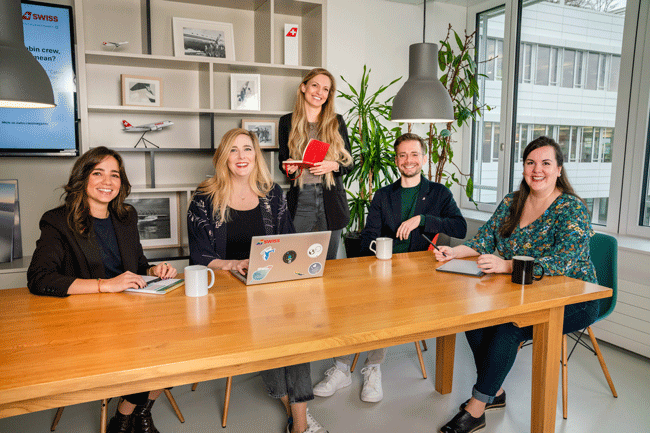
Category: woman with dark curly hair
[91,245]
[543,219]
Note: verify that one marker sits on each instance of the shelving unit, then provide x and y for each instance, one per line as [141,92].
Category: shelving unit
[195,91]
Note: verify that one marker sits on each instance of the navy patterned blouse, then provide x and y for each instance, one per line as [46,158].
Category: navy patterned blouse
[558,239]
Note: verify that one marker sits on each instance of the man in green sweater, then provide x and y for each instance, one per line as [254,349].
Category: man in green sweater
[403,211]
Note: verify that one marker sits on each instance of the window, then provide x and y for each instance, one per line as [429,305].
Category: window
[568,68]
[543,65]
[614,70]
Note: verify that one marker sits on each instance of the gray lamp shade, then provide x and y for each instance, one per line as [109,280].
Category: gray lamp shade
[23,81]
[423,98]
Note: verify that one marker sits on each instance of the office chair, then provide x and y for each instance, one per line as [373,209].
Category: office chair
[417,347]
[104,412]
[604,252]
[226,400]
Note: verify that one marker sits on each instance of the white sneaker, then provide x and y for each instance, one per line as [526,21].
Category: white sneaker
[371,391]
[334,380]
[313,426]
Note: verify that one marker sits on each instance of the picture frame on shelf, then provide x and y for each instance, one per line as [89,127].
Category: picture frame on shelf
[141,91]
[202,38]
[265,129]
[158,218]
[245,92]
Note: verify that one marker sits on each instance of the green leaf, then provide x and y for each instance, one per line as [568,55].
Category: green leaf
[460,43]
[469,189]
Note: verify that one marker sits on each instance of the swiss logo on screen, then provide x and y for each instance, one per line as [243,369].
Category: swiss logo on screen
[293,32]
[29,16]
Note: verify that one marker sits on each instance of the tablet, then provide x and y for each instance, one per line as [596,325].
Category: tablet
[466,267]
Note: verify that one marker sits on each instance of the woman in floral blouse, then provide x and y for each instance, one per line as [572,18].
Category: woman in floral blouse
[545,220]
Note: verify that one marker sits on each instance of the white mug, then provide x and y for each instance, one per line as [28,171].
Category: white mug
[196,280]
[384,249]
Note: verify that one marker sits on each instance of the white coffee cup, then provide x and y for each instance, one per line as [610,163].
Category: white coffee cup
[196,280]
[384,249]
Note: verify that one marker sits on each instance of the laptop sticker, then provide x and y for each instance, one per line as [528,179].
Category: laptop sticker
[315,250]
[261,273]
[266,252]
[289,256]
[315,268]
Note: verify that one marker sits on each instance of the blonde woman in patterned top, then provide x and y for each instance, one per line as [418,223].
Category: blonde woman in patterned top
[546,220]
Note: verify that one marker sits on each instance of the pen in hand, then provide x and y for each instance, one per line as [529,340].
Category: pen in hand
[434,245]
[155,280]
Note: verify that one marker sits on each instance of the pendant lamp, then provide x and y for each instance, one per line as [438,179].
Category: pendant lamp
[423,98]
[23,81]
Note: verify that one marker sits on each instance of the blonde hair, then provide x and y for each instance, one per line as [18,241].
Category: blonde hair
[328,127]
[219,187]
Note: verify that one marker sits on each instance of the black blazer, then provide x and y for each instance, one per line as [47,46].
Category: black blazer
[62,256]
[337,211]
[434,201]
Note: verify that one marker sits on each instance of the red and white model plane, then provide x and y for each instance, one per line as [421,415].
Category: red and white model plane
[114,45]
[144,129]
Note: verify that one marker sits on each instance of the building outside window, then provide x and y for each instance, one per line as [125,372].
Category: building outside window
[566,90]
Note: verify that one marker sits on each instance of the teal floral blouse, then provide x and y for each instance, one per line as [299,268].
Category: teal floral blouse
[558,239]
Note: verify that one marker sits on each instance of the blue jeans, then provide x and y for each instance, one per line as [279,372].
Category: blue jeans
[495,348]
[310,216]
[293,381]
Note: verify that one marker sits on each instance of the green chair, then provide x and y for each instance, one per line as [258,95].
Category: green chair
[603,250]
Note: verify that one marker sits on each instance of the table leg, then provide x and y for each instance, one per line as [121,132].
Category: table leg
[547,341]
[445,351]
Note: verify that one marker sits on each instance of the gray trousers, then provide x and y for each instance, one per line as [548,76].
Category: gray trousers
[293,381]
[310,216]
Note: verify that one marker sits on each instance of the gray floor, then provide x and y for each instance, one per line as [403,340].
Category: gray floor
[410,403]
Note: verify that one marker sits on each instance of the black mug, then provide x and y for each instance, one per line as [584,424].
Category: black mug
[522,270]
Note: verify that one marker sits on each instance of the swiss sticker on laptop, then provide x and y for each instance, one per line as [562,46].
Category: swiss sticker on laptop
[315,250]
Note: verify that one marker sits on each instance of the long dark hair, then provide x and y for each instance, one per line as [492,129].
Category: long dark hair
[519,197]
[75,195]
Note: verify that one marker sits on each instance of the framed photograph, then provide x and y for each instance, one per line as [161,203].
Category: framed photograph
[245,92]
[141,91]
[203,38]
[157,218]
[265,129]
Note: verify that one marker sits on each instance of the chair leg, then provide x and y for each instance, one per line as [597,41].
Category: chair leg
[424,346]
[602,361]
[226,402]
[424,370]
[565,380]
[194,386]
[57,417]
[103,417]
[172,401]
[354,363]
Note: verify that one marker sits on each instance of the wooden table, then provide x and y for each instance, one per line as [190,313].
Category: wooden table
[62,351]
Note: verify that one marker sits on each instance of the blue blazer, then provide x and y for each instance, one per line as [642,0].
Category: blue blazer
[434,201]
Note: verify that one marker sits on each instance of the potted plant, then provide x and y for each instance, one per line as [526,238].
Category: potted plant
[461,81]
[372,151]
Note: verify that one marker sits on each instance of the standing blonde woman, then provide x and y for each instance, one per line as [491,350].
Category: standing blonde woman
[241,201]
[316,199]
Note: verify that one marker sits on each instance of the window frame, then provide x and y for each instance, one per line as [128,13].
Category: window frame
[628,147]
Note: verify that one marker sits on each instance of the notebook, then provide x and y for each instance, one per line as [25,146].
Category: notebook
[315,151]
[287,257]
[467,267]
[156,286]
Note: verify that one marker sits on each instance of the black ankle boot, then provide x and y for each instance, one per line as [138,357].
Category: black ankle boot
[142,421]
[119,423]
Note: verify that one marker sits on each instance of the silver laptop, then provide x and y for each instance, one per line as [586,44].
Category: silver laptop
[287,257]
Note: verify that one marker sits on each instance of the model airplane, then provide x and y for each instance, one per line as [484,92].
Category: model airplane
[144,129]
[114,44]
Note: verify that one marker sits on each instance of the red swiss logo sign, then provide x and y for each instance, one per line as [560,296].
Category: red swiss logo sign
[293,32]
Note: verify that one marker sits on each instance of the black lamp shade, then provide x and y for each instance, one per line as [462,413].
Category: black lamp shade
[23,81]
[423,98]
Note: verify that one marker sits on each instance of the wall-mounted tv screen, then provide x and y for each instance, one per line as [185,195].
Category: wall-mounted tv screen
[46,131]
